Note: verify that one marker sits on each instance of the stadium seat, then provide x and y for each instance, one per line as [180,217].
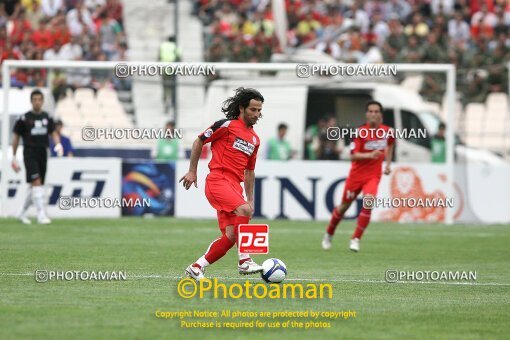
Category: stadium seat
[433,107]
[106,94]
[494,134]
[458,109]
[112,105]
[83,94]
[497,118]
[90,108]
[73,122]
[109,101]
[474,119]
[65,108]
[497,101]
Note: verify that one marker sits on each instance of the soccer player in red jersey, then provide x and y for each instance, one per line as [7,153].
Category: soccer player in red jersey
[234,146]
[373,144]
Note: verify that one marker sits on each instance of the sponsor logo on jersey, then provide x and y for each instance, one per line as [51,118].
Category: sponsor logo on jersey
[376,144]
[39,128]
[243,146]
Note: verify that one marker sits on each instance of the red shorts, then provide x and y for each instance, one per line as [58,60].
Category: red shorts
[353,188]
[225,196]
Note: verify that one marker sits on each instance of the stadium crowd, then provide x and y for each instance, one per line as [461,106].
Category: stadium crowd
[472,34]
[62,30]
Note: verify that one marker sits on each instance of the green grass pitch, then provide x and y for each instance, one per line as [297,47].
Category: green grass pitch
[163,247]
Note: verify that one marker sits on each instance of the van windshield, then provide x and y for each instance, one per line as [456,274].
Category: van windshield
[431,122]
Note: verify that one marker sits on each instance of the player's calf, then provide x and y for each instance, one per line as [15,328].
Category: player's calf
[336,218]
[217,249]
[363,221]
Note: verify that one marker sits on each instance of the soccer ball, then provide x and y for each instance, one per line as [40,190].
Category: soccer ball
[273,271]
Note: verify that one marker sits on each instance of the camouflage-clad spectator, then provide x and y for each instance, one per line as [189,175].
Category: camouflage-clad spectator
[477,88]
[433,52]
[395,41]
[433,87]
[474,35]
[412,52]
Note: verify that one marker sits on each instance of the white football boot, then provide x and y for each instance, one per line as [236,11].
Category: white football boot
[43,219]
[354,244]
[24,219]
[326,242]
[249,267]
[196,273]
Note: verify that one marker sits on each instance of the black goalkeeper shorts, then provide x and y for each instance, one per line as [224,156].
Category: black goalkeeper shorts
[35,160]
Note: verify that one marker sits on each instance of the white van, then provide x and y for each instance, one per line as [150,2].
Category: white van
[299,105]
[403,110]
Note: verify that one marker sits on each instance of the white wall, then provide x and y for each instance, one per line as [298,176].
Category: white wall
[481,197]
[66,175]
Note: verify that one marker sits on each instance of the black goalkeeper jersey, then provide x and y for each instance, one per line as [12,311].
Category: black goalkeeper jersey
[34,129]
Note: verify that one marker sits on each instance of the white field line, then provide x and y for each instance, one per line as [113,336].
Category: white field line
[175,277]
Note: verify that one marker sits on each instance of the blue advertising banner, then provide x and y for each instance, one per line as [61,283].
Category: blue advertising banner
[148,187]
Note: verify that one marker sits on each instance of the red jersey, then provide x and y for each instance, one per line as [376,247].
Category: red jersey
[234,148]
[368,140]
[43,39]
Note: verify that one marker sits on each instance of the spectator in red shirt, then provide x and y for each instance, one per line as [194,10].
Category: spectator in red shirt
[42,37]
[483,22]
[20,28]
[476,5]
[3,38]
[60,33]
[10,52]
[115,10]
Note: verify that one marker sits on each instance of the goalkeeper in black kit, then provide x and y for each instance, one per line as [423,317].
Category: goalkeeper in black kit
[34,127]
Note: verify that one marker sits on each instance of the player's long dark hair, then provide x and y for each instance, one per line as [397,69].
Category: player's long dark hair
[242,98]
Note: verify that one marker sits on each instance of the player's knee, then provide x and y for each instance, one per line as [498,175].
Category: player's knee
[244,210]
[230,232]
[342,208]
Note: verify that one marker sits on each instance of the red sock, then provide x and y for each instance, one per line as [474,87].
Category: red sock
[218,249]
[363,220]
[336,217]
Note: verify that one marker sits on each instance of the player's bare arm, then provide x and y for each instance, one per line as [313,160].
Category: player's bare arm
[191,177]
[58,148]
[249,183]
[15,142]
[389,157]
